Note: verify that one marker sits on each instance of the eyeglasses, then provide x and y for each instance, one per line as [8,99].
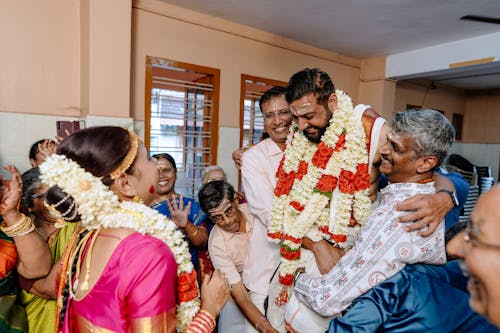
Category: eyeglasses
[228,212]
[470,236]
[282,114]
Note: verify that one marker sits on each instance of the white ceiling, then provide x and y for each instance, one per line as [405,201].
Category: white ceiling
[365,28]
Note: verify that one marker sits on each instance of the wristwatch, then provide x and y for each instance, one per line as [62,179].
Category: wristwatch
[297,273]
[453,197]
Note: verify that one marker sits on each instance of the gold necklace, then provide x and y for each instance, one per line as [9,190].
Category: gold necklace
[78,255]
[163,197]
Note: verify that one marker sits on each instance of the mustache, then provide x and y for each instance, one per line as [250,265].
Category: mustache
[384,157]
[317,137]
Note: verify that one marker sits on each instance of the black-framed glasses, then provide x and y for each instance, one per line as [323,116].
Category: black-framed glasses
[470,236]
[228,212]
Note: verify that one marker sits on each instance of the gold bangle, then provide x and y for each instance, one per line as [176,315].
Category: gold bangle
[195,232]
[23,227]
[19,225]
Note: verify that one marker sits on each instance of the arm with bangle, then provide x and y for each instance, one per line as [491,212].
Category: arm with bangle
[33,251]
[214,294]
[198,236]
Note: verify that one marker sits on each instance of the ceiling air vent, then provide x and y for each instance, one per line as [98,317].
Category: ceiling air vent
[483,19]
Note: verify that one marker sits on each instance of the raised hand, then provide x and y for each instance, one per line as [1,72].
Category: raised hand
[178,213]
[47,148]
[11,192]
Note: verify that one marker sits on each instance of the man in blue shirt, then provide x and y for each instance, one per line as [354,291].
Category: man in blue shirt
[420,298]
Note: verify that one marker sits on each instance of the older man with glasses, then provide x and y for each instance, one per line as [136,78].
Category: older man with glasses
[228,248]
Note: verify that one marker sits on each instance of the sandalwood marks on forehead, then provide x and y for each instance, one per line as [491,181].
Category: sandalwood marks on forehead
[221,208]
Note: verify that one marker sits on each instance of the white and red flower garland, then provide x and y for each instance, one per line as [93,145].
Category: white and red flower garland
[310,177]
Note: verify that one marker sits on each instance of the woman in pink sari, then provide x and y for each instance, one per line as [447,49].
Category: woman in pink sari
[129,270]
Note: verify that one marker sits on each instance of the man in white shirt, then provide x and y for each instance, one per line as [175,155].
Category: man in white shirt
[259,179]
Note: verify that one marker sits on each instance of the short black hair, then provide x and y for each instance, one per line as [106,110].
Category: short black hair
[212,194]
[275,91]
[310,81]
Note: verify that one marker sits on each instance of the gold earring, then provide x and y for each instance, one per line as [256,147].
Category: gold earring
[137,198]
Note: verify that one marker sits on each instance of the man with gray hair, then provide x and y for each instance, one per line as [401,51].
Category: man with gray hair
[417,144]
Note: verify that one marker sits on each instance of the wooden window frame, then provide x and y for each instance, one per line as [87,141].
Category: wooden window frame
[244,78]
[150,61]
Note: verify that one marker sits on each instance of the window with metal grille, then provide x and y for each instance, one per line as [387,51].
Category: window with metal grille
[251,120]
[181,117]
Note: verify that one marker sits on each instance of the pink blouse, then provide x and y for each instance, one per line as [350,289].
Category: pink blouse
[136,288]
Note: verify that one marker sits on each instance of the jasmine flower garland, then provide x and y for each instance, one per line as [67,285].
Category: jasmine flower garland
[322,188]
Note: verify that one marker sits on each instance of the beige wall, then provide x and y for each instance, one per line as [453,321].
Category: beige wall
[105,66]
[65,57]
[481,113]
[375,89]
[166,34]
[480,142]
[482,119]
[86,59]
[40,57]
[448,100]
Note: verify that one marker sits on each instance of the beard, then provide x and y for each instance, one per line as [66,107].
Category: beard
[316,138]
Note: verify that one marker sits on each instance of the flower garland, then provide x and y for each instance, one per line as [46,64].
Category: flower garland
[99,207]
[311,177]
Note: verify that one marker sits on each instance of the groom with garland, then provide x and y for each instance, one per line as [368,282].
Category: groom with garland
[328,179]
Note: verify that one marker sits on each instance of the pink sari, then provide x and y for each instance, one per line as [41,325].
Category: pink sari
[136,290]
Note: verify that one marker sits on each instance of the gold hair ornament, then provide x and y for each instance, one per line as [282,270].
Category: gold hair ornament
[129,158]
[62,218]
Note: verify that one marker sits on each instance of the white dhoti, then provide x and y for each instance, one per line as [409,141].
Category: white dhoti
[296,314]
